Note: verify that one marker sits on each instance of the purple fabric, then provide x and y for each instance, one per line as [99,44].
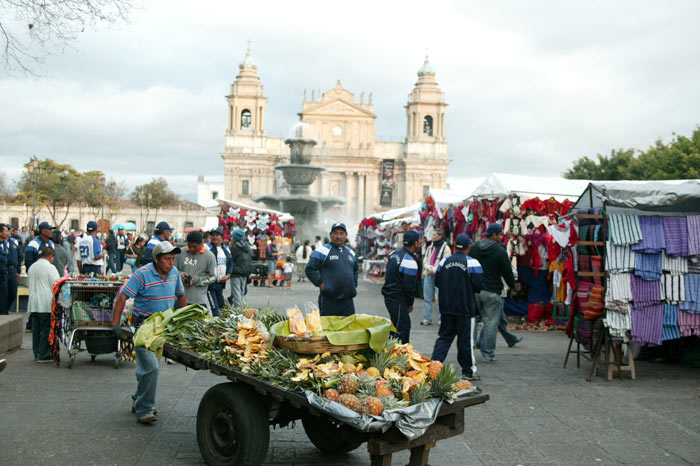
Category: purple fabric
[692,294]
[644,292]
[693,223]
[647,324]
[689,323]
[652,235]
[648,265]
[676,236]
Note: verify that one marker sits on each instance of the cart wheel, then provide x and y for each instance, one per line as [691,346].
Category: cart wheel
[331,438]
[255,283]
[92,358]
[232,426]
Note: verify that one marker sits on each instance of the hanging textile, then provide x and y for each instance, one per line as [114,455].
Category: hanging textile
[672,288]
[647,324]
[688,323]
[618,322]
[693,224]
[674,265]
[624,229]
[648,265]
[676,236]
[692,294]
[619,258]
[644,292]
[670,330]
[619,288]
[652,235]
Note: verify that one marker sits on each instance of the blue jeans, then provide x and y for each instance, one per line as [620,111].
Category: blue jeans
[147,381]
[238,290]
[110,263]
[271,267]
[491,305]
[121,256]
[429,290]
[510,337]
[41,327]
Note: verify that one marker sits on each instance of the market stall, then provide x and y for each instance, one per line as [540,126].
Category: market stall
[637,269]
[346,380]
[257,222]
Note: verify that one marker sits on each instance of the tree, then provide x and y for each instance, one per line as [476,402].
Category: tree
[679,159]
[152,196]
[52,185]
[4,185]
[30,30]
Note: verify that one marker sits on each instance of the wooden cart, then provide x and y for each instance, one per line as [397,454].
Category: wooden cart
[233,420]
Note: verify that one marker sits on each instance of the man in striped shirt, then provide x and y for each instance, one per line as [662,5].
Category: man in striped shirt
[155,287]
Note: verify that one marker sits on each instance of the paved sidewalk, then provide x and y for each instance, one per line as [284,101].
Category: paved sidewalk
[538,414]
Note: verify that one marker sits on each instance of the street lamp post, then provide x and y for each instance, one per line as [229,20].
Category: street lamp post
[104,188]
[34,169]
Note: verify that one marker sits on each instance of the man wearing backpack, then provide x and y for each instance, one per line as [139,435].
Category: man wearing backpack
[241,256]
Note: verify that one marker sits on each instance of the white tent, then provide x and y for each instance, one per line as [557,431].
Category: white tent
[528,187]
[397,213]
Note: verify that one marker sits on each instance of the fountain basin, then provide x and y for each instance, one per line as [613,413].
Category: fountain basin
[298,176]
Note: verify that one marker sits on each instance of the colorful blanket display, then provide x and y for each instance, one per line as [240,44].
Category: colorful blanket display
[376,241]
[255,224]
[653,289]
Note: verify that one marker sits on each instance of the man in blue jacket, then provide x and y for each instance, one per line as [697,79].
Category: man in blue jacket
[458,277]
[33,251]
[10,249]
[333,269]
[400,284]
[162,232]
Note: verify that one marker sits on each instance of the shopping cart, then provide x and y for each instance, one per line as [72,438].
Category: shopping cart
[87,318]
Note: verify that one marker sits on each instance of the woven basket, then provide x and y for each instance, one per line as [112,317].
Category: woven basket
[314,345]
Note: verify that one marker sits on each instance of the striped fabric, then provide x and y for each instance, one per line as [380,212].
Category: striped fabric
[676,236]
[619,323]
[672,288]
[647,324]
[670,330]
[648,265]
[688,323]
[674,265]
[645,293]
[693,223]
[624,229]
[619,288]
[694,264]
[692,294]
[619,258]
[652,235]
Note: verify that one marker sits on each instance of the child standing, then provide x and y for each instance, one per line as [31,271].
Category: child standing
[288,269]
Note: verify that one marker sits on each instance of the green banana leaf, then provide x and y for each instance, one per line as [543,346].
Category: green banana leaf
[351,330]
[154,332]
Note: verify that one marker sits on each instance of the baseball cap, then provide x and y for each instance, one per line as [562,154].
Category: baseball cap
[216,231]
[493,229]
[46,226]
[463,241]
[238,234]
[162,226]
[340,225]
[194,236]
[164,247]
[92,226]
[410,237]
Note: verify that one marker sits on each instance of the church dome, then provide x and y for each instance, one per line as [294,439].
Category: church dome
[426,68]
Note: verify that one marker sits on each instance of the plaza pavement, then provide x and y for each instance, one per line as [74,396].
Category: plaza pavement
[539,413]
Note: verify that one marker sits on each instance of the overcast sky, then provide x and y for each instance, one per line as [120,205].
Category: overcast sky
[531,86]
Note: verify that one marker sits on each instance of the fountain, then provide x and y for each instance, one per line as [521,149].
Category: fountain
[299,175]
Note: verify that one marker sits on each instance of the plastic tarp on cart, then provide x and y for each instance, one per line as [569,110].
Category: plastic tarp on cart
[528,187]
[668,197]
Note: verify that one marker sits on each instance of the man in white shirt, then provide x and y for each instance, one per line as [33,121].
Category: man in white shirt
[42,277]
[319,243]
[90,250]
[122,244]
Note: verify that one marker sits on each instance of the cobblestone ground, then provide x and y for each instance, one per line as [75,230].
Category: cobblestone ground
[539,413]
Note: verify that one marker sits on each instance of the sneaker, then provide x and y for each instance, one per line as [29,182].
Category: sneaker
[516,342]
[426,322]
[133,407]
[147,418]
[44,360]
[169,361]
[489,360]
[471,378]
[3,364]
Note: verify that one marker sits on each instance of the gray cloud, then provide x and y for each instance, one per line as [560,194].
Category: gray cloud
[531,85]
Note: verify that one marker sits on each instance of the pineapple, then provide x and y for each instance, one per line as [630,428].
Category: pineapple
[384,391]
[331,394]
[381,361]
[348,384]
[350,401]
[372,405]
[420,394]
[392,403]
[434,369]
[442,385]
[462,385]
[373,371]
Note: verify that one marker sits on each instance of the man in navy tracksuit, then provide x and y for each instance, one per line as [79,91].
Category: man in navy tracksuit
[400,284]
[458,277]
[333,269]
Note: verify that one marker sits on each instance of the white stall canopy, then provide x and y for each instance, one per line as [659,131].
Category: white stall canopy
[528,187]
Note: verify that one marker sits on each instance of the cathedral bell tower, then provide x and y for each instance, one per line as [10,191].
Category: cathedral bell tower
[425,109]
[246,103]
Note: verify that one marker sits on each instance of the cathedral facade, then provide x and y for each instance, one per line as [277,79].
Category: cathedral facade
[370,175]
